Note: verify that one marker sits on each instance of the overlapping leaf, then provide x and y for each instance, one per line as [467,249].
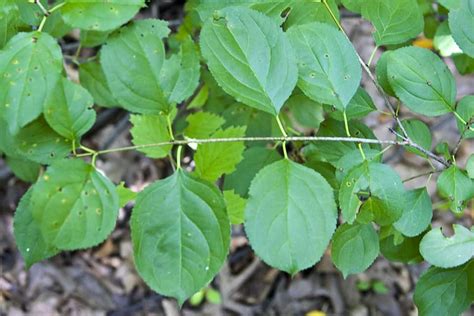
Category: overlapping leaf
[457,187]
[93,79]
[417,214]
[461,23]
[180,234]
[151,129]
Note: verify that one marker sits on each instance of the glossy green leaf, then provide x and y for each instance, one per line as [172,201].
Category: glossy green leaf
[448,252]
[461,23]
[215,159]
[93,79]
[329,69]
[180,235]
[99,15]
[254,159]
[235,206]
[28,236]
[417,214]
[381,71]
[202,124]
[354,248]
[151,129]
[419,133]
[465,109]
[30,64]
[68,110]
[290,216]
[137,46]
[395,21]
[368,184]
[457,187]
[38,142]
[74,205]
[250,58]
[445,292]
[422,81]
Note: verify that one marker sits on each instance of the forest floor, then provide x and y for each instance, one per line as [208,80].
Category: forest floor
[103,280]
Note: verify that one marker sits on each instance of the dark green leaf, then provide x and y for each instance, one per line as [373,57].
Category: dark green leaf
[417,213]
[457,187]
[465,109]
[93,79]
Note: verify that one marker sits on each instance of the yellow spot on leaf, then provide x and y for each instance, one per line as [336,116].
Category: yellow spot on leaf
[423,43]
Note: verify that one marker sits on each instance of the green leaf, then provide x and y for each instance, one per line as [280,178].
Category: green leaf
[24,169]
[241,47]
[329,69]
[445,292]
[215,159]
[422,81]
[470,166]
[125,194]
[359,107]
[235,207]
[9,16]
[461,22]
[99,15]
[354,5]
[372,183]
[180,235]
[74,205]
[395,21]
[38,142]
[290,216]
[381,71]
[456,186]
[406,251]
[202,124]
[304,12]
[30,65]
[417,214]
[30,13]
[254,159]
[28,236]
[450,4]
[93,79]
[305,111]
[151,129]
[353,159]
[137,46]
[464,64]
[443,41]
[465,109]
[448,252]
[93,38]
[68,110]
[419,133]
[354,248]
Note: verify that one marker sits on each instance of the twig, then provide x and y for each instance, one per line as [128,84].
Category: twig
[423,175]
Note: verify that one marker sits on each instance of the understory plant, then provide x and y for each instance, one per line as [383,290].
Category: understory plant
[266,97]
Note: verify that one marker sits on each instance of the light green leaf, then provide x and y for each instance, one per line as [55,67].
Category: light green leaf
[354,248]
[180,235]
[445,292]
[470,166]
[422,81]
[151,129]
[254,159]
[30,65]
[28,236]
[215,159]
[250,58]
[354,5]
[419,133]
[125,194]
[443,41]
[290,216]
[395,21]
[202,124]
[38,142]
[448,252]
[417,213]
[329,69]
[309,11]
[353,159]
[9,17]
[24,169]
[93,38]
[305,111]
[93,79]
[375,186]
[455,185]
[235,206]
[99,15]
[68,110]
[450,4]
[74,205]
[461,23]
[359,107]
[465,109]
[30,12]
